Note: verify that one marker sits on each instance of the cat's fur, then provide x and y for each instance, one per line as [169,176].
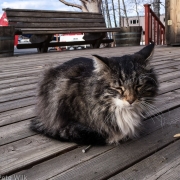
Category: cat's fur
[96,101]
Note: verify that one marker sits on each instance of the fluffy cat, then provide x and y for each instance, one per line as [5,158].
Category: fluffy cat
[99,101]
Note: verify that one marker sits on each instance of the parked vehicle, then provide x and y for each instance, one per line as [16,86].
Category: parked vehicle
[70,37]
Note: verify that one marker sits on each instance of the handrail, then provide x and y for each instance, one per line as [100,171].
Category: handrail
[154,28]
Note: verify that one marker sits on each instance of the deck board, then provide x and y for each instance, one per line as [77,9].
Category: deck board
[25,153]
[156,166]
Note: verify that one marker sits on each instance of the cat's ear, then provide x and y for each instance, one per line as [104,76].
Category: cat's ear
[100,62]
[146,53]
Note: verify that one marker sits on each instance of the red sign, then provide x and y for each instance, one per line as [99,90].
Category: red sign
[4,22]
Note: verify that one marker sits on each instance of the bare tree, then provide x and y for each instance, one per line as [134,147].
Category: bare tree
[136,5]
[119,7]
[86,5]
[125,12]
[103,9]
[114,13]
[107,14]
[156,6]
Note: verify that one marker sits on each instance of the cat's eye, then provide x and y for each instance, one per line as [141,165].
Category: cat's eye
[121,88]
[138,87]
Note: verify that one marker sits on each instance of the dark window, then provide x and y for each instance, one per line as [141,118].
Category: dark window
[134,21]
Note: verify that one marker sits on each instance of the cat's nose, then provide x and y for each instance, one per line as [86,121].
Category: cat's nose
[130,101]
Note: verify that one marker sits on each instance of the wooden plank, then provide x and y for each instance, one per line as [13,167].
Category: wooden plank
[17,115]
[63,30]
[66,31]
[17,75]
[155,166]
[14,132]
[47,11]
[165,56]
[14,82]
[172,173]
[170,85]
[172,65]
[17,89]
[28,151]
[60,25]
[17,95]
[55,20]
[76,157]
[121,157]
[169,76]
[68,159]
[24,66]
[165,102]
[163,71]
[10,105]
[50,14]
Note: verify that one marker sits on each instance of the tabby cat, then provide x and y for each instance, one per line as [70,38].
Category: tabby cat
[96,101]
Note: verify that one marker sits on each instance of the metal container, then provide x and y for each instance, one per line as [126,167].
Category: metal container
[128,36]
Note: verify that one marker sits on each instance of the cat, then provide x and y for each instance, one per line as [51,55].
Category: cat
[96,101]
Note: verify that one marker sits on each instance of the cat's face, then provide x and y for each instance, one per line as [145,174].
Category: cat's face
[134,83]
[130,80]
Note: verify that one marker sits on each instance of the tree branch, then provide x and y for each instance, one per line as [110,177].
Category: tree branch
[84,1]
[71,4]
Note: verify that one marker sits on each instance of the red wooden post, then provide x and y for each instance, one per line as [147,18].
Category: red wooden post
[158,33]
[151,27]
[161,36]
[147,12]
[154,31]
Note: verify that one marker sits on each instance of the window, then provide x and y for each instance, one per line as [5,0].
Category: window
[134,21]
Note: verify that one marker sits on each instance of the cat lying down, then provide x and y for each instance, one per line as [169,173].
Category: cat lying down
[96,101]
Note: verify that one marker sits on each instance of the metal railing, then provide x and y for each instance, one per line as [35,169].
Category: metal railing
[154,28]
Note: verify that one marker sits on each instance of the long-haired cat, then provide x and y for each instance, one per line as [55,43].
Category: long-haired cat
[96,101]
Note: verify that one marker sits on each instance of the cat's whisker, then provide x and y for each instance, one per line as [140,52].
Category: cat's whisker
[156,114]
[146,112]
[152,107]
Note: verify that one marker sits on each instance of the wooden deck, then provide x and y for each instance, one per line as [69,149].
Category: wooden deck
[27,155]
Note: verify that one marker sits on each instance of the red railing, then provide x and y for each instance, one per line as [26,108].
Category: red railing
[154,28]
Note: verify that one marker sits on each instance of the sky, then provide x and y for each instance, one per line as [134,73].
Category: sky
[35,4]
[51,5]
